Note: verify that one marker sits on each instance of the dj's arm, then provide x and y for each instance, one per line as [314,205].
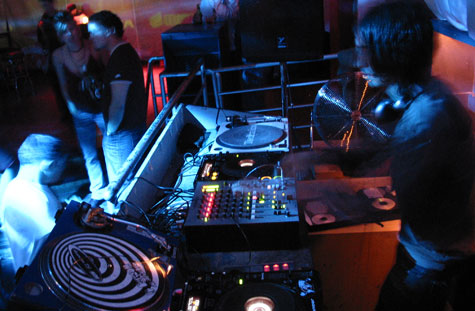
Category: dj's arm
[119,90]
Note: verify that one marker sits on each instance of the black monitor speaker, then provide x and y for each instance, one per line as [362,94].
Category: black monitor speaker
[281,30]
[184,44]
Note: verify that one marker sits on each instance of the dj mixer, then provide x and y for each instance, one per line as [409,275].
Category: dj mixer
[244,214]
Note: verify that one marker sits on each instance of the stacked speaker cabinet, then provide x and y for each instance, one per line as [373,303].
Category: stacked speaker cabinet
[281,30]
[185,44]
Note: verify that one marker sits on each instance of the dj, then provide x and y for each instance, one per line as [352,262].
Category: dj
[432,165]
[28,207]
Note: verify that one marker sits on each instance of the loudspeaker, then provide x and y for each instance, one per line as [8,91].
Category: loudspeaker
[185,44]
[281,30]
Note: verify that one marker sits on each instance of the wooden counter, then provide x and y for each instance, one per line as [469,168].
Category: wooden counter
[353,261]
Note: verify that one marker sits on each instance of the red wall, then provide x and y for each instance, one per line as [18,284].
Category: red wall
[144,20]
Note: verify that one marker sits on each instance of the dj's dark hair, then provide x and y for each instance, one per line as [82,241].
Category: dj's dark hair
[61,20]
[398,37]
[110,21]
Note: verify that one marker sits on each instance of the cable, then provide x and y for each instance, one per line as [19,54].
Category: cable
[245,238]
[155,185]
[138,209]
[258,167]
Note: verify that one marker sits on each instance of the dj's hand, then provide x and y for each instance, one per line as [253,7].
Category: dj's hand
[95,218]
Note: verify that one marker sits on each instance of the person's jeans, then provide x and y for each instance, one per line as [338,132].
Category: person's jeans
[85,124]
[117,147]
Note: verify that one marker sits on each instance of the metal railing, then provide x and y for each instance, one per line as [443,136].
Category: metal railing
[202,92]
[151,81]
[216,77]
[285,85]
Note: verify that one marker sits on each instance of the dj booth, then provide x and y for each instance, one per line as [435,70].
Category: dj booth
[211,220]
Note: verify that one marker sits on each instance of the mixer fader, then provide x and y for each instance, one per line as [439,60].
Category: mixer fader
[244,200]
[233,209]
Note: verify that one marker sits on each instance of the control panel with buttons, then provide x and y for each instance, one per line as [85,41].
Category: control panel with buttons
[224,206]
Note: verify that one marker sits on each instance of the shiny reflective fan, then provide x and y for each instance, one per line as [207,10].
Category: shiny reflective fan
[343,114]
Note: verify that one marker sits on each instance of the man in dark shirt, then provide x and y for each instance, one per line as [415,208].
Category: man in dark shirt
[124,100]
[432,166]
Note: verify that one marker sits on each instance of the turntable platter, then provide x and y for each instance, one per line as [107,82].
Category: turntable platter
[96,271]
[251,136]
[267,296]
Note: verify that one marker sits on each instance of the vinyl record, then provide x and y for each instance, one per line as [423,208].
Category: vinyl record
[259,297]
[383,204]
[251,136]
[320,219]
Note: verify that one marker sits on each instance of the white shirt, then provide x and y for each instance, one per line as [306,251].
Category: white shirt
[27,212]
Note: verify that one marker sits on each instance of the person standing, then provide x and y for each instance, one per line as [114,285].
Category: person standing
[124,101]
[49,41]
[433,163]
[79,70]
[45,31]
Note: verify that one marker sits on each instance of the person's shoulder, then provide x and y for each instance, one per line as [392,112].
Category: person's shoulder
[18,191]
[441,109]
[125,52]
[435,98]
[91,50]
[438,89]
[58,54]
[425,112]
[127,48]
[19,183]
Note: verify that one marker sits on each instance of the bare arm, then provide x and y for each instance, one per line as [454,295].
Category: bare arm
[119,91]
[59,68]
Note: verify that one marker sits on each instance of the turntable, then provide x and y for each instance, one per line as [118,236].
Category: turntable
[123,268]
[259,134]
[268,291]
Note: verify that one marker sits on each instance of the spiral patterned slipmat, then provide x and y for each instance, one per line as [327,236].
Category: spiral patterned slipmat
[124,266]
[101,271]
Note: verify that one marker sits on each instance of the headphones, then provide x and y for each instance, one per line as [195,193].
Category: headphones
[110,31]
[388,111]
